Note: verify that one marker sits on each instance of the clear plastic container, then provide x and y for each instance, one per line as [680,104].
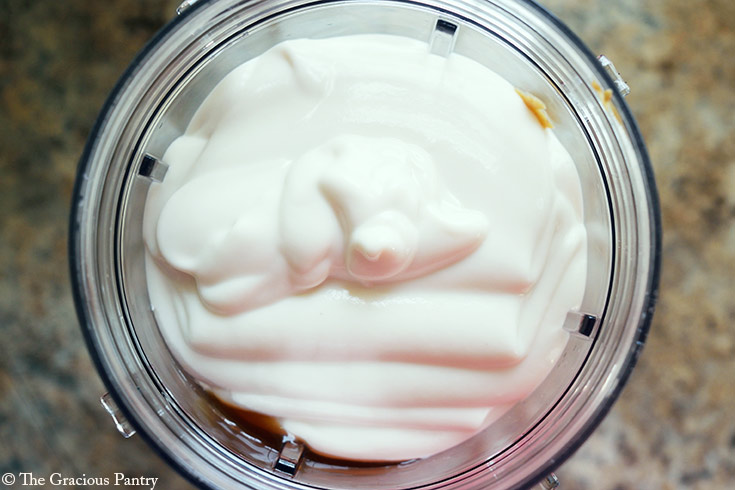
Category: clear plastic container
[152,104]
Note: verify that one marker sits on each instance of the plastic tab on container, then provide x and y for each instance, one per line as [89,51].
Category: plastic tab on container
[580,323]
[442,39]
[121,423]
[153,168]
[550,482]
[184,6]
[289,457]
[608,66]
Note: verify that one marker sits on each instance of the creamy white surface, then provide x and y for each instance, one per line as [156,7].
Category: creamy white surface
[376,245]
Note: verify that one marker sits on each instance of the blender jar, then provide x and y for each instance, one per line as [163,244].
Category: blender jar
[152,105]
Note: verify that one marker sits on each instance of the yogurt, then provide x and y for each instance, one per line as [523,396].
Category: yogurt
[375,245]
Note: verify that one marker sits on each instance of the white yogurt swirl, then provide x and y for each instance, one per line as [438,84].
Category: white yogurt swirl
[373,244]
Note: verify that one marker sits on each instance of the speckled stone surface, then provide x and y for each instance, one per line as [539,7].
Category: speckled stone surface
[674,425]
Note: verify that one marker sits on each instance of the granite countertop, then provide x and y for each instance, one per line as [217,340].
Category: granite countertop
[673,426]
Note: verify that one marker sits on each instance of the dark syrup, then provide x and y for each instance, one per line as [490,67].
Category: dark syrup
[269,432]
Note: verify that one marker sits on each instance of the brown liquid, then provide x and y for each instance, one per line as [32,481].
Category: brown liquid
[269,431]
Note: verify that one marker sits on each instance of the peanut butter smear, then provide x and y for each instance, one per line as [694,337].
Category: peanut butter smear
[606,98]
[536,106]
